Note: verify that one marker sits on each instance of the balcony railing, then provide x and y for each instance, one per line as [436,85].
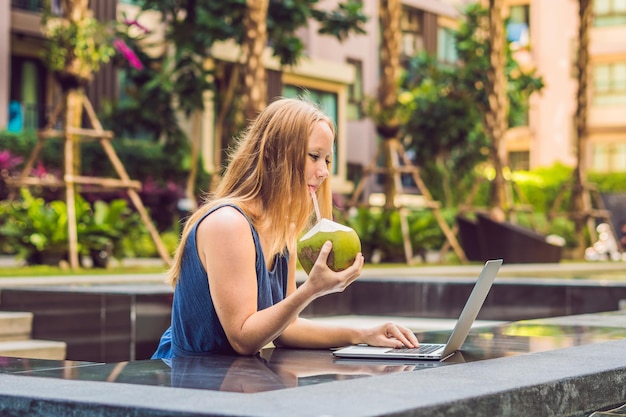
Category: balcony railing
[30,5]
[27,117]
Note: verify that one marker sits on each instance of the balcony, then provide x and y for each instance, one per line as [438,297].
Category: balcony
[28,5]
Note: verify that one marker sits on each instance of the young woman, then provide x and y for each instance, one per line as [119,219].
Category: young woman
[234,271]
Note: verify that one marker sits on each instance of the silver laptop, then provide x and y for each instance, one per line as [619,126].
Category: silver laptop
[435,351]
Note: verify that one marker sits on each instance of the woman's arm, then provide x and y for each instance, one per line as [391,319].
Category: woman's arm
[226,249]
[303,333]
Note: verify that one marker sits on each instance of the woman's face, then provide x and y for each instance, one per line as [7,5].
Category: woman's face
[319,156]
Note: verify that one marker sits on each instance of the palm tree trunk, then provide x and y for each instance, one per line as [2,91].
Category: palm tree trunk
[252,70]
[388,126]
[578,206]
[495,117]
[253,46]
[190,191]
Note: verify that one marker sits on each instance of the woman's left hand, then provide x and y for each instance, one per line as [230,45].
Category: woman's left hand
[390,335]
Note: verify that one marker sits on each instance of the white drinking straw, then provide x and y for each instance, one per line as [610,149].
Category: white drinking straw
[316,205]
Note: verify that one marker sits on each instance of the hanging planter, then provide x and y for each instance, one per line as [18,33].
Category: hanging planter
[75,49]
[68,81]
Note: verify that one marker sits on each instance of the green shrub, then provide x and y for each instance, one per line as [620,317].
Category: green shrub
[142,159]
[380,231]
[614,182]
[35,228]
[540,187]
[141,245]
[161,172]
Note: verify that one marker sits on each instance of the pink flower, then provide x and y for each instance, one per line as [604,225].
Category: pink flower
[128,53]
[40,171]
[136,23]
[8,161]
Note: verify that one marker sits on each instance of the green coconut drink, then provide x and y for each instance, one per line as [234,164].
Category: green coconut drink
[346,245]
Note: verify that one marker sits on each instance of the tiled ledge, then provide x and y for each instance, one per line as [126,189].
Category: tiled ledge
[124,321]
[565,382]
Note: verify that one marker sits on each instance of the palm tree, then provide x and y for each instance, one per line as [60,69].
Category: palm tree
[579,202]
[387,114]
[388,123]
[252,46]
[495,115]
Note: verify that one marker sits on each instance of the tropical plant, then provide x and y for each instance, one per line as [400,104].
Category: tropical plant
[381,235]
[177,81]
[363,221]
[493,80]
[38,230]
[447,130]
[443,131]
[105,226]
[76,44]
[75,48]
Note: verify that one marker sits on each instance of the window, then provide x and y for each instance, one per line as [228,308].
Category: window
[412,37]
[608,157]
[30,5]
[446,46]
[609,84]
[518,27]
[355,91]
[27,100]
[519,160]
[327,101]
[609,12]
[37,6]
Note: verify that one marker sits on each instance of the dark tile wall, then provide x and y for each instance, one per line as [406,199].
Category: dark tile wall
[97,327]
[443,299]
[126,324]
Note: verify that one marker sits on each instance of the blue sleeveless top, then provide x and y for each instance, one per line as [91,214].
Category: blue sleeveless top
[195,329]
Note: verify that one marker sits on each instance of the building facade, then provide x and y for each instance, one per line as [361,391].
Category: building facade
[28,90]
[552,49]
[341,74]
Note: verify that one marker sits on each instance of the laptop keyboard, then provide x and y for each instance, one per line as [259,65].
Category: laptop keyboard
[422,349]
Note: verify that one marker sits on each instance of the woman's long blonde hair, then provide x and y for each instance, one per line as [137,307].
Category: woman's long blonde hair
[267,166]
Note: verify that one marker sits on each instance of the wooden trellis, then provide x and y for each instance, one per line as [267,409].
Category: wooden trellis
[593,209]
[400,164]
[73,137]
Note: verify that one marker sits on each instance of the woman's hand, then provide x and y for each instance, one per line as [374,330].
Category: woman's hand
[390,335]
[324,280]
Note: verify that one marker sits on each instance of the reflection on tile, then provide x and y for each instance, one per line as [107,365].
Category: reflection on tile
[272,369]
[10,365]
[275,369]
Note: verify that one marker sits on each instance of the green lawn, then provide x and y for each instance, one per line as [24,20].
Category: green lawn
[45,271]
[618,273]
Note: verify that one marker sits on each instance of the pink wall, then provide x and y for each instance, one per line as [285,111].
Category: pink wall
[5,59]
[554,26]
[361,135]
